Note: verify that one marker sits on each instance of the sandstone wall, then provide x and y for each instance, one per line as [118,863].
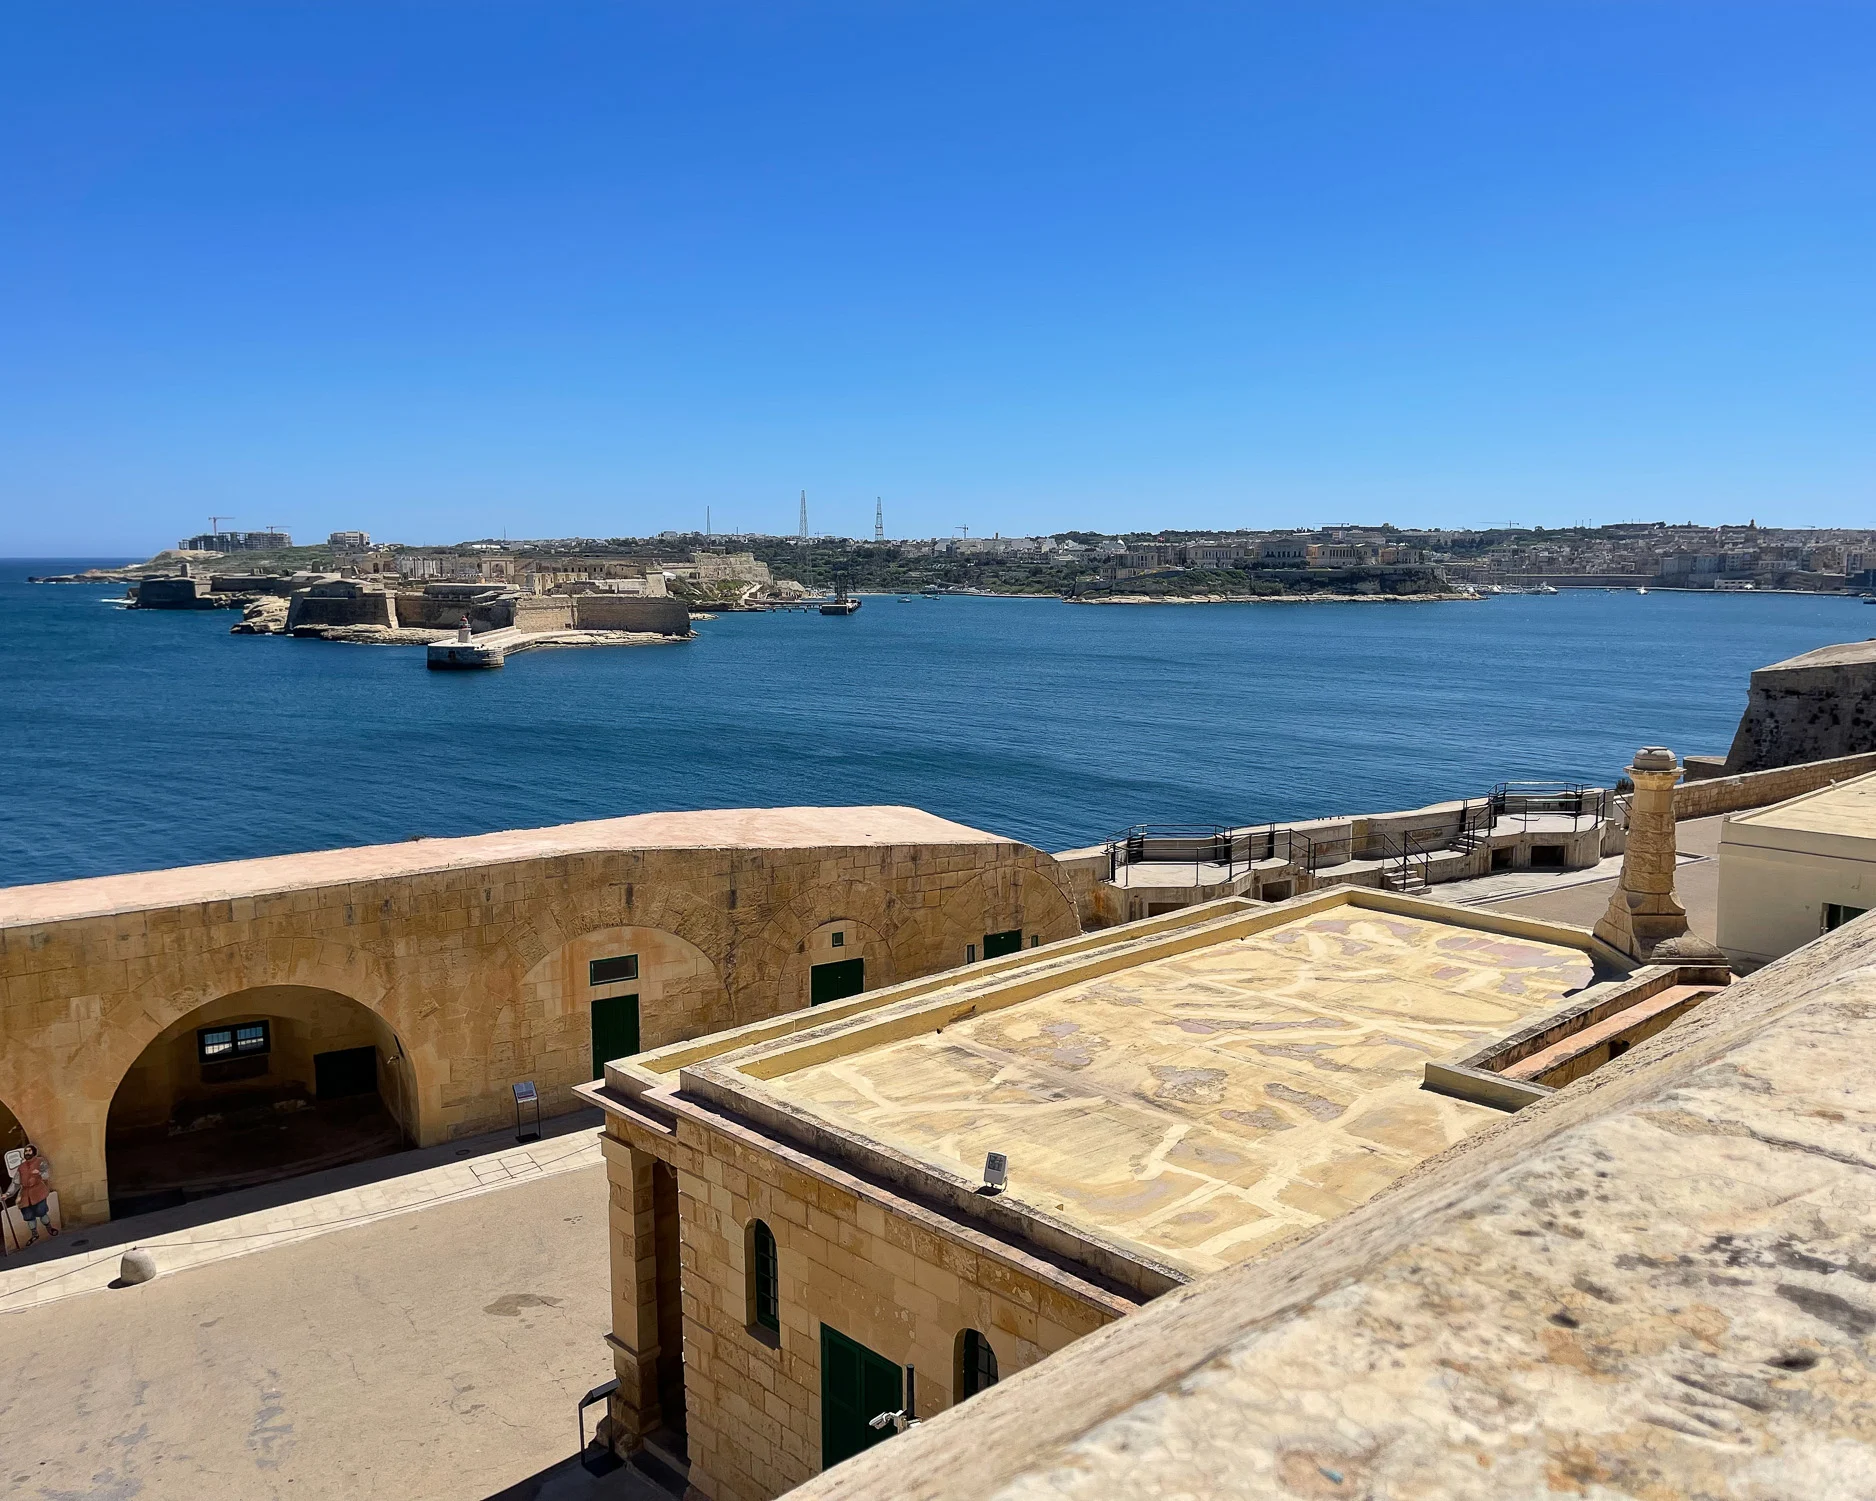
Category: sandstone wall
[475,964]
[375,607]
[1703,799]
[900,1280]
[1813,707]
[625,612]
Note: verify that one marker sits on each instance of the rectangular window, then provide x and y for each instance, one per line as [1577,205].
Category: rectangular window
[242,1040]
[840,940]
[970,953]
[612,971]
[1836,915]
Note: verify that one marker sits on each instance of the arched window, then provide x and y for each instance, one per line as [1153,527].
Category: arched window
[765,1281]
[977,1364]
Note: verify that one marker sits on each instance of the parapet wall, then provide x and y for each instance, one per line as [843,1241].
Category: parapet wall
[1759,789]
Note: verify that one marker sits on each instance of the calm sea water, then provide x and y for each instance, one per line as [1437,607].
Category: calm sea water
[134,741]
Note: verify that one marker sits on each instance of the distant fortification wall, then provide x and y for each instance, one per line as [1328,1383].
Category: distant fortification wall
[1814,707]
[359,606]
[625,612]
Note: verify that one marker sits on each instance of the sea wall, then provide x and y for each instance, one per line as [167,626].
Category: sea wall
[362,607]
[177,594]
[1759,789]
[625,612]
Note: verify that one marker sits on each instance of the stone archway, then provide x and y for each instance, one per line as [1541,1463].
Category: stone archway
[1025,902]
[836,942]
[578,1005]
[13,1227]
[265,1083]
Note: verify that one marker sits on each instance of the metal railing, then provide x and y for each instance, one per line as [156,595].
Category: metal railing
[1524,801]
[1233,850]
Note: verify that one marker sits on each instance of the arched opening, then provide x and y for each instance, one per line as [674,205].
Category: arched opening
[839,958]
[763,1277]
[976,1364]
[32,1196]
[260,1085]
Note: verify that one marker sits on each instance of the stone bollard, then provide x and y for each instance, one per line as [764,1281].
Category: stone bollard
[137,1266]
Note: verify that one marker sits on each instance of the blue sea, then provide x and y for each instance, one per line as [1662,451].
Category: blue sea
[138,740]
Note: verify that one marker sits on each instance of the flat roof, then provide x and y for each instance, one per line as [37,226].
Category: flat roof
[721,828]
[1186,1098]
[1845,808]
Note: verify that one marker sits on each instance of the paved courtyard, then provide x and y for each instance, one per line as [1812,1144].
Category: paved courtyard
[410,1355]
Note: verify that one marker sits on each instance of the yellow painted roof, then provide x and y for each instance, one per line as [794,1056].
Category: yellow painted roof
[1205,1104]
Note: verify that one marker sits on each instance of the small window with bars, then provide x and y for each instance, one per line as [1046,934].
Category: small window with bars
[612,971]
[224,1044]
[1836,915]
[765,1282]
[977,1364]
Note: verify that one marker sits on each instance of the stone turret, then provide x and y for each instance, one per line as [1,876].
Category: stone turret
[1644,919]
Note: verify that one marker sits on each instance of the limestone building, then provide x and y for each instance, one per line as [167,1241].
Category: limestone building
[808,1236]
[1795,870]
[1655,1285]
[171,1033]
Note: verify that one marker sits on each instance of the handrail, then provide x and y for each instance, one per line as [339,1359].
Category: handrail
[1243,845]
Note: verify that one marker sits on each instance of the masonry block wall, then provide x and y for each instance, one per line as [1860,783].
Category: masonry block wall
[900,1280]
[473,953]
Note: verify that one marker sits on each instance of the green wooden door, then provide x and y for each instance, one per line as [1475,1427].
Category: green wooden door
[615,1030]
[829,982]
[998,944]
[856,1387]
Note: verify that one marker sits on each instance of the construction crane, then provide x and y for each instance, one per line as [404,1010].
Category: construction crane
[214,523]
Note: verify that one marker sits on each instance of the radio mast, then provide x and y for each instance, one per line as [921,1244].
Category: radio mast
[879,520]
[804,519]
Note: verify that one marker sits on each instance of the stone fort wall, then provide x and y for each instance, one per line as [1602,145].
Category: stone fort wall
[473,951]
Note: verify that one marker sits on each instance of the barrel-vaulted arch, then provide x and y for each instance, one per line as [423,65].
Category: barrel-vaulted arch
[564,1025]
[256,1085]
[1001,901]
[62,1080]
[787,947]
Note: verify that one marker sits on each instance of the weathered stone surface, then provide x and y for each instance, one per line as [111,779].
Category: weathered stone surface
[137,1265]
[1643,914]
[1810,707]
[1657,1283]
[474,952]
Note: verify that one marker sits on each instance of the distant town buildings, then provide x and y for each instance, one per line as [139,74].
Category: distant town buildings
[264,541]
[349,541]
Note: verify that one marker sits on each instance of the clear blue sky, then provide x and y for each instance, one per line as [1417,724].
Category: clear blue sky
[444,270]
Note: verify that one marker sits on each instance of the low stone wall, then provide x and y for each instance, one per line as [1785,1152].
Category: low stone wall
[1759,789]
[625,612]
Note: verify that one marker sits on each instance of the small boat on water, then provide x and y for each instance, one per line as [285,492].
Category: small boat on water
[1641,589]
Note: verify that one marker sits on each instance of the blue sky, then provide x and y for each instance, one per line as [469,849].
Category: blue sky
[453,269]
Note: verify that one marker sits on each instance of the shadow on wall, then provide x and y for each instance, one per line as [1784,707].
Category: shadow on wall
[263,1084]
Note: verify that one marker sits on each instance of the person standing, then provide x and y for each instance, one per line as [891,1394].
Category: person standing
[33,1190]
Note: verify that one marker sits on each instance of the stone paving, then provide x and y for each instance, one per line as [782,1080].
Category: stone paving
[51,1277]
